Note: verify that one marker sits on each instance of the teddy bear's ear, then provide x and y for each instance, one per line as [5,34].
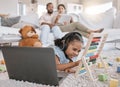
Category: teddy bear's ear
[33,29]
[20,31]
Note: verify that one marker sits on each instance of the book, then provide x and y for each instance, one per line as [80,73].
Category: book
[64,18]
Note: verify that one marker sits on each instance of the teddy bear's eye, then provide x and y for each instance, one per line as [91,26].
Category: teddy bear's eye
[31,31]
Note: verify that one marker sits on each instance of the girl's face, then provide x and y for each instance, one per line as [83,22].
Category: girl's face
[73,49]
[61,9]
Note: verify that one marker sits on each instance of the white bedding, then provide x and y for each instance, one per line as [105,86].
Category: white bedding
[113,34]
[8,33]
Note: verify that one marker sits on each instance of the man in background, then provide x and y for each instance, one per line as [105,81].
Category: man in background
[47,25]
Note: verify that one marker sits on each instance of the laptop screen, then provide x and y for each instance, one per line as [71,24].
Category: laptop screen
[31,64]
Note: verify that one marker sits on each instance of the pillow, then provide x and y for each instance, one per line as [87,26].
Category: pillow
[75,17]
[4,15]
[22,24]
[9,21]
[31,18]
[117,21]
[102,20]
[107,18]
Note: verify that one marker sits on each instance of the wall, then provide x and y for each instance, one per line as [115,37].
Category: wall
[55,2]
[116,4]
[93,2]
[9,7]
[88,3]
[69,1]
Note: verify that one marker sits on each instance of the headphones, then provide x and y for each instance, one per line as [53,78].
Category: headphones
[67,38]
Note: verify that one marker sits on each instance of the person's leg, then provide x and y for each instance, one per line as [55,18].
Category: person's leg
[83,33]
[75,26]
[57,32]
[45,30]
[80,27]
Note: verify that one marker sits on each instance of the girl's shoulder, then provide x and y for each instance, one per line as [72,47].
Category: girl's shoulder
[57,49]
[60,54]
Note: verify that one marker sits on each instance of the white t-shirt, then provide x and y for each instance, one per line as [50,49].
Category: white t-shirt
[47,18]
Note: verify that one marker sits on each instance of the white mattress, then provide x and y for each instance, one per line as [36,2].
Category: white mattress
[8,30]
[8,33]
[113,34]
[11,34]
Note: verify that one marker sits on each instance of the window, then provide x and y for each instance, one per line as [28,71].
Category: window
[41,10]
[74,8]
[21,9]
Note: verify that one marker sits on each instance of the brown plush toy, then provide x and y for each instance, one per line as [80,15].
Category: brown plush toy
[29,37]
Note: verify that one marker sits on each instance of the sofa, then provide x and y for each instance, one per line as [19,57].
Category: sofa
[107,20]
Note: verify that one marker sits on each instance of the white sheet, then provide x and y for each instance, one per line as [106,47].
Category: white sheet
[113,34]
[7,33]
[8,30]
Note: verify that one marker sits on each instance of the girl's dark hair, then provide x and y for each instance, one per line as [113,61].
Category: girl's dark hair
[69,37]
[61,5]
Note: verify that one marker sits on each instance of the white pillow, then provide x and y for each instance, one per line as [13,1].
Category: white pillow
[107,18]
[74,16]
[117,21]
[22,24]
[30,18]
[103,20]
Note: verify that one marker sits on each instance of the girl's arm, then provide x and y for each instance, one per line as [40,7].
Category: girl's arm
[65,66]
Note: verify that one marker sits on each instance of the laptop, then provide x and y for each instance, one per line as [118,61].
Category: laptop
[31,64]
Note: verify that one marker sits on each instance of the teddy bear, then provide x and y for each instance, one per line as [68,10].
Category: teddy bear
[29,37]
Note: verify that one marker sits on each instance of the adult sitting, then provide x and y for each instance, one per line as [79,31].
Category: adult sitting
[47,25]
[70,26]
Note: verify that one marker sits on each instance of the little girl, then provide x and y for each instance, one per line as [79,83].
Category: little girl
[66,51]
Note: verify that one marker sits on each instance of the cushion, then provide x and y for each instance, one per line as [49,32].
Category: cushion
[74,16]
[4,15]
[117,21]
[9,21]
[30,18]
[102,20]
[22,24]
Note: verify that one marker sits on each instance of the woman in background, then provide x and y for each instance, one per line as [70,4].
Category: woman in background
[70,26]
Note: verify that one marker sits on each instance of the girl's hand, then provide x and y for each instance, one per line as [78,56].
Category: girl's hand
[73,70]
[70,70]
[77,62]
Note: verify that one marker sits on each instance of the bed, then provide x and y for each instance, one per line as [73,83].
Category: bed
[113,37]
[9,35]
